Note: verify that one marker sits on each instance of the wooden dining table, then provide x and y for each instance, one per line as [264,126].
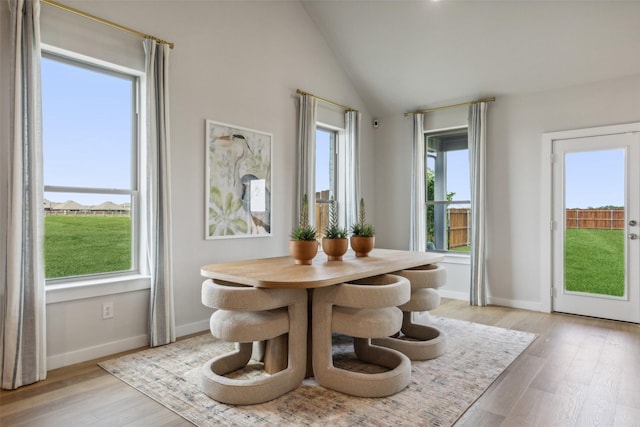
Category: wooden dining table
[282,272]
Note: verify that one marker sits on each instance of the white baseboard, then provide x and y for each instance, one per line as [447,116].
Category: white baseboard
[524,305]
[84,354]
[192,328]
[504,302]
[463,296]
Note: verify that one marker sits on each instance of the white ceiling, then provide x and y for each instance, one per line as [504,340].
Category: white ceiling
[404,55]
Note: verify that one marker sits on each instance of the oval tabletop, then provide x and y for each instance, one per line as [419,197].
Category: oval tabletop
[282,272]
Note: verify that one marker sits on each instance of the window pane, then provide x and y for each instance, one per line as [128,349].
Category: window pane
[458,184]
[459,227]
[87,126]
[85,237]
[324,164]
[448,227]
[325,177]
[448,162]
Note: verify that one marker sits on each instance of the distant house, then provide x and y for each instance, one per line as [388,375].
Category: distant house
[67,208]
[71,207]
[110,208]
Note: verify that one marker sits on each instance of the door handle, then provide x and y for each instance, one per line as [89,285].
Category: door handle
[633,222]
[632,236]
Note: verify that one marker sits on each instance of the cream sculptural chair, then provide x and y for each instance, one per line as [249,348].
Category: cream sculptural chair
[246,315]
[419,341]
[363,309]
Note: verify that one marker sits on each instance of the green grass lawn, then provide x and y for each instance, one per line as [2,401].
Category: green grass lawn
[78,245]
[594,261]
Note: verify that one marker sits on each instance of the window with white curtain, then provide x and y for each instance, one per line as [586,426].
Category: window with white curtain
[448,190]
[91,160]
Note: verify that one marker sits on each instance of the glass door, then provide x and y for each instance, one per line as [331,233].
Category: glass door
[595,215]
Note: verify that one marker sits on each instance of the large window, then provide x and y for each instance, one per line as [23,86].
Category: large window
[91,173]
[448,188]
[326,160]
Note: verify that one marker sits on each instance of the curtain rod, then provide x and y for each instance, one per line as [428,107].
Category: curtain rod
[446,107]
[105,22]
[301,92]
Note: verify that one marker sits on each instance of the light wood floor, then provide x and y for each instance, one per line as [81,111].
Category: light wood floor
[578,372]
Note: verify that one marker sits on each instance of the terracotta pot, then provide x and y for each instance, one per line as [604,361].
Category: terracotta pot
[303,251]
[335,248]
[362,245]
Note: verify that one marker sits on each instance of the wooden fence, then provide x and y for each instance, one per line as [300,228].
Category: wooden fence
[459,226]
[607,219]
[322,211]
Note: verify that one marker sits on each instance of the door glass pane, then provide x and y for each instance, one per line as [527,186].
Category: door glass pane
[594,222]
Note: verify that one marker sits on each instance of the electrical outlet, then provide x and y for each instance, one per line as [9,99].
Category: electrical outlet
[107,310]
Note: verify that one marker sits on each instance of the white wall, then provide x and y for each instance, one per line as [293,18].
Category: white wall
[234,62]
[516,125]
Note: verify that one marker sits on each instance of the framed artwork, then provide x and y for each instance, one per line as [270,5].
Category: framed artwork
[238,175]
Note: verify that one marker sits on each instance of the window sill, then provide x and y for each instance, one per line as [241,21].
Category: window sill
[70,291]
[453,258]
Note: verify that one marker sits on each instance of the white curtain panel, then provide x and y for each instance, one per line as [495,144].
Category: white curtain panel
[306,166]
[158,202]
[418,218]
[22,306]
[349,193]
[477,172]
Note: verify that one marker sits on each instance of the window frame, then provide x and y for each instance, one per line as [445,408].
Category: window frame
[136,277]
[442,203]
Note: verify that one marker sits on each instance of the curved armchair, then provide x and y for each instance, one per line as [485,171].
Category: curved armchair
[246,315]
[363,309]
[418,341]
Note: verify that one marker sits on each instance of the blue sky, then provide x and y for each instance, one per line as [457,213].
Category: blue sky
[322,160]
[86,143]
[458,174]
[594,179]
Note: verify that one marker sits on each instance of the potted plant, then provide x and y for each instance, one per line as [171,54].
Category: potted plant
[303,246]
[362,234]
[334,242]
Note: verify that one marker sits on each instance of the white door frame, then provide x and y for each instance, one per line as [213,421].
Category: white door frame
[546,194]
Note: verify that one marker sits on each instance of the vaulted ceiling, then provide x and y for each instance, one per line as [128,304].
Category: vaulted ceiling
[403,55]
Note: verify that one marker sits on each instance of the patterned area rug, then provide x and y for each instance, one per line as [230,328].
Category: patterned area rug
[440,391]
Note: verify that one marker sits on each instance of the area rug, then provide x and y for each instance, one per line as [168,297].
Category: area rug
[440,391]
